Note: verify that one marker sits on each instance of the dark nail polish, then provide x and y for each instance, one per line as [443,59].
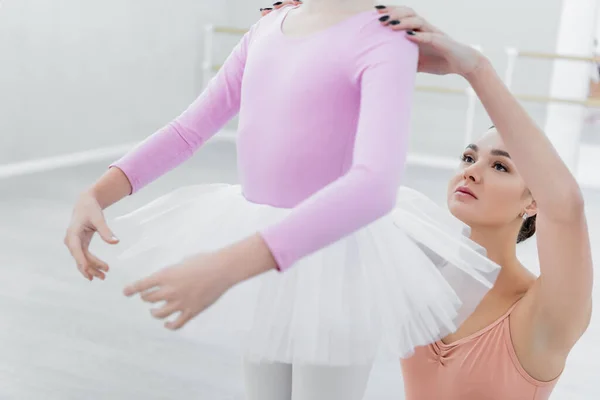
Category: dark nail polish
[394,22]
[384,18]
[411,33]
[278,3]
[380,7]
[266,9]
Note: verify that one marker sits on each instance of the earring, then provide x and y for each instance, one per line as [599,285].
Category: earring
[525,216]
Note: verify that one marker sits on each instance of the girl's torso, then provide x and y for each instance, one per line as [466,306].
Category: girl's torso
[300,106]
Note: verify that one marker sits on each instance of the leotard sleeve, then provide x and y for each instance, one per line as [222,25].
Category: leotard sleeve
[385,69]
[178,140]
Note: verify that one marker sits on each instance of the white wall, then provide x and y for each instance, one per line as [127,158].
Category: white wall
[76,75]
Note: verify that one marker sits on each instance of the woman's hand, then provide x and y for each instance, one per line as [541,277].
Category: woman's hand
[277,5]
[197,283]
[87,219]
[438,53]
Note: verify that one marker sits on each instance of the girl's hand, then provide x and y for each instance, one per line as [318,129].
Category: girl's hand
[438,53]
[187,288]
[197,283]
[87,219]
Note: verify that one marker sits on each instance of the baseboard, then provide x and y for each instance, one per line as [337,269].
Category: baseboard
[79,158]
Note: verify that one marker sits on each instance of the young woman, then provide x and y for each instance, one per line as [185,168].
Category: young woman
[321,150]
[515,344]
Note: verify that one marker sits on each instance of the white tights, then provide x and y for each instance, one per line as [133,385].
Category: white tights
[274,381]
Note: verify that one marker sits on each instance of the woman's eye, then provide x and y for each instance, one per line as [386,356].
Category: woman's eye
[467,158]
[500,167]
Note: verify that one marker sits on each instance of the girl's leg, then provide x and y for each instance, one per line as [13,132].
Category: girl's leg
[268,381]
[330,383]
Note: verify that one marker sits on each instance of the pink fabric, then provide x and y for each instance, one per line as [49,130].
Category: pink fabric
[323,128]
[483,365]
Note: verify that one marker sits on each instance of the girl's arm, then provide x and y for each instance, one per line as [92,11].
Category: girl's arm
[177,142]
[386,70]
[155,156]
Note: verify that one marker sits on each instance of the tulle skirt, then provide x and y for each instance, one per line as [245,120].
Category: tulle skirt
[405,280]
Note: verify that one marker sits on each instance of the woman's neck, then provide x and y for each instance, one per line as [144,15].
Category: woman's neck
[342,6]
[514,279]
[499,243]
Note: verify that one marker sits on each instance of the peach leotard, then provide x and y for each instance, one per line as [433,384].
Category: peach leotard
[481,366]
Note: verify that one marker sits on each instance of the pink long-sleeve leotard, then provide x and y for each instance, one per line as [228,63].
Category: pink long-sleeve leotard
[323,127]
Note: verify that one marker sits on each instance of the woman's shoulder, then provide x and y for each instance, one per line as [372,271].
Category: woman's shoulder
[525,338]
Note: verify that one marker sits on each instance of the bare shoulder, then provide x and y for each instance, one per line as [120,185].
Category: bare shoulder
[538,351]
[539,363]
[556,311]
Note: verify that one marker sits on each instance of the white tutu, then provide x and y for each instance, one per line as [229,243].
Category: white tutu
[405,280]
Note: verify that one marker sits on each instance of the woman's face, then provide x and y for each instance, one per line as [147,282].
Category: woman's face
[487,190]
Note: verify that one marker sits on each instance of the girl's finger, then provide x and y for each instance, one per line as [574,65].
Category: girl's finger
[104,231]
[164,311]
[85,274]
[95,262]
[73,243]
[143,284]
[95,272]
[179,322]
[154,296]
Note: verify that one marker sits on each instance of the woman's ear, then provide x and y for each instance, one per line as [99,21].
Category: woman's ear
[531,209]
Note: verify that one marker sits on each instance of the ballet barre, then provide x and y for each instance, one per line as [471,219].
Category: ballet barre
[229,30]
[554,56]
[558,100]
[513,55]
